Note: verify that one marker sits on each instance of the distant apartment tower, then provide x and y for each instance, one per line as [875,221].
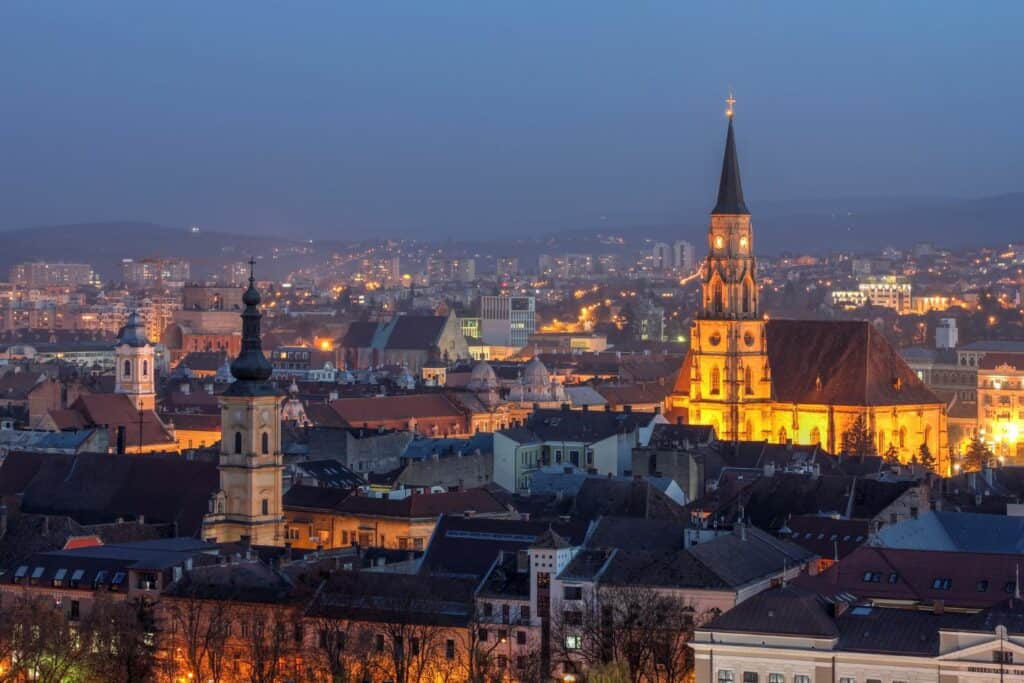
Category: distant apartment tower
[684,256]
[235,273]
[662,257]
[451,270]
[507,320]
[507,267]
[946,336]
[155,272]
[47,274]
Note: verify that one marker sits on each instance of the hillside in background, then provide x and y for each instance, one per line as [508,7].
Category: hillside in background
[104,245]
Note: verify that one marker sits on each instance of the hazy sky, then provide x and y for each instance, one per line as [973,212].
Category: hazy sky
[355,119]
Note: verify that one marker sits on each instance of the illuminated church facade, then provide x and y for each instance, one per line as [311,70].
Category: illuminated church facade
[804,381]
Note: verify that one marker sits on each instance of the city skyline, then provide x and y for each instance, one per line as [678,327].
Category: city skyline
[472,119]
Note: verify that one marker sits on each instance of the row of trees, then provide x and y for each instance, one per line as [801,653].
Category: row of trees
[39,642]
[858,440]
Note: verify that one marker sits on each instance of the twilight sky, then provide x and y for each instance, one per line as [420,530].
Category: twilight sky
[449,117]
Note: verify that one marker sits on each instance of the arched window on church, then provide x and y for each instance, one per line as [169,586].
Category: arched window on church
[881,441]
[783,435]
[749,427]
[238,442]
[127,369]
[746,296]
[903,437]
[716,381]
[145,368]
[265,443]
[816,436]
[717,297]
[927,435]
[748,381]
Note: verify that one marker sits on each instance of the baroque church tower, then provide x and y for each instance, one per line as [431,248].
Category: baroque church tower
[134,375]
[730,380]
[249,502]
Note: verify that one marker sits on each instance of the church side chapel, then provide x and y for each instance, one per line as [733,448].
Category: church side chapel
[801,381]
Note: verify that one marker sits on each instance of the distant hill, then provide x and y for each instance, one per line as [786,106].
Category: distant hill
[867,224]
[103,245]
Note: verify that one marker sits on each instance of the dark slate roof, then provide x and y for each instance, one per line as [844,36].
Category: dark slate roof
[356,411]
[788,610]
[463,546]
[505,580]
[418,332]
[587,426]
[395,598]
[315,497]
[419,505]
[825,536]
[206,361]
[598,497]
[330,473]
[730,190]
[675,436]
[359,335]
[17,385]
[648,535]
[739,558]
[247,581]
[97,487]
[550,539]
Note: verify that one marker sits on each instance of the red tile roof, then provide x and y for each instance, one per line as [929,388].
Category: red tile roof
[964,580]
[113,411]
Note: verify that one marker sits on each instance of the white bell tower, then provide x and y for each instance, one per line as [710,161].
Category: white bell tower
[135,374]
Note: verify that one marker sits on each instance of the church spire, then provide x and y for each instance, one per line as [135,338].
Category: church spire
[251,365]
[730,190]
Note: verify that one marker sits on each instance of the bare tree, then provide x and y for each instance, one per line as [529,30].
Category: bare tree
[201,628]
[638,628]
[266,638]
[122,634]
[47,647]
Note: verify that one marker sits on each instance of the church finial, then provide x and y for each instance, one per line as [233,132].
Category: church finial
[730,190]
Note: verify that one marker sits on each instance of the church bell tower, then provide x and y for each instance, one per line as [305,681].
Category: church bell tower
[730,383]
[134,375]
[249,502]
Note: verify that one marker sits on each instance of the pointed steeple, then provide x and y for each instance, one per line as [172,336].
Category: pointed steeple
[730,190]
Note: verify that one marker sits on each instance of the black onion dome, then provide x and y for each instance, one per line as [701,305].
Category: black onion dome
[251,365]
[133,333]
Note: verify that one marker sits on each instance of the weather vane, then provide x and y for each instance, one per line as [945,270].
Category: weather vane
[730,101]
[252,267]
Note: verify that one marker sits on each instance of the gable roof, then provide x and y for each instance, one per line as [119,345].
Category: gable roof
[788,610]
[117,410]
[97,487]
[855,363]
[418,332]
[975,581]
[956,532]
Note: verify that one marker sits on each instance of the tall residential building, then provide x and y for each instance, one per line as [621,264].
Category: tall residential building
[946,336]
[684,256]
[888,291]
[155,272]
[662,257]
[507,320]
[46,274]
[507,266]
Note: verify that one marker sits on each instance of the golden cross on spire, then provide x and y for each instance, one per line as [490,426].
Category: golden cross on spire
[730,101]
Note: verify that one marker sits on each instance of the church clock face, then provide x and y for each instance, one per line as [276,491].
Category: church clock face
[264,417]
[748,339]
[715,339]
[239,417]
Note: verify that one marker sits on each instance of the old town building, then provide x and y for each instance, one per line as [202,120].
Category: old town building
[790,380]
